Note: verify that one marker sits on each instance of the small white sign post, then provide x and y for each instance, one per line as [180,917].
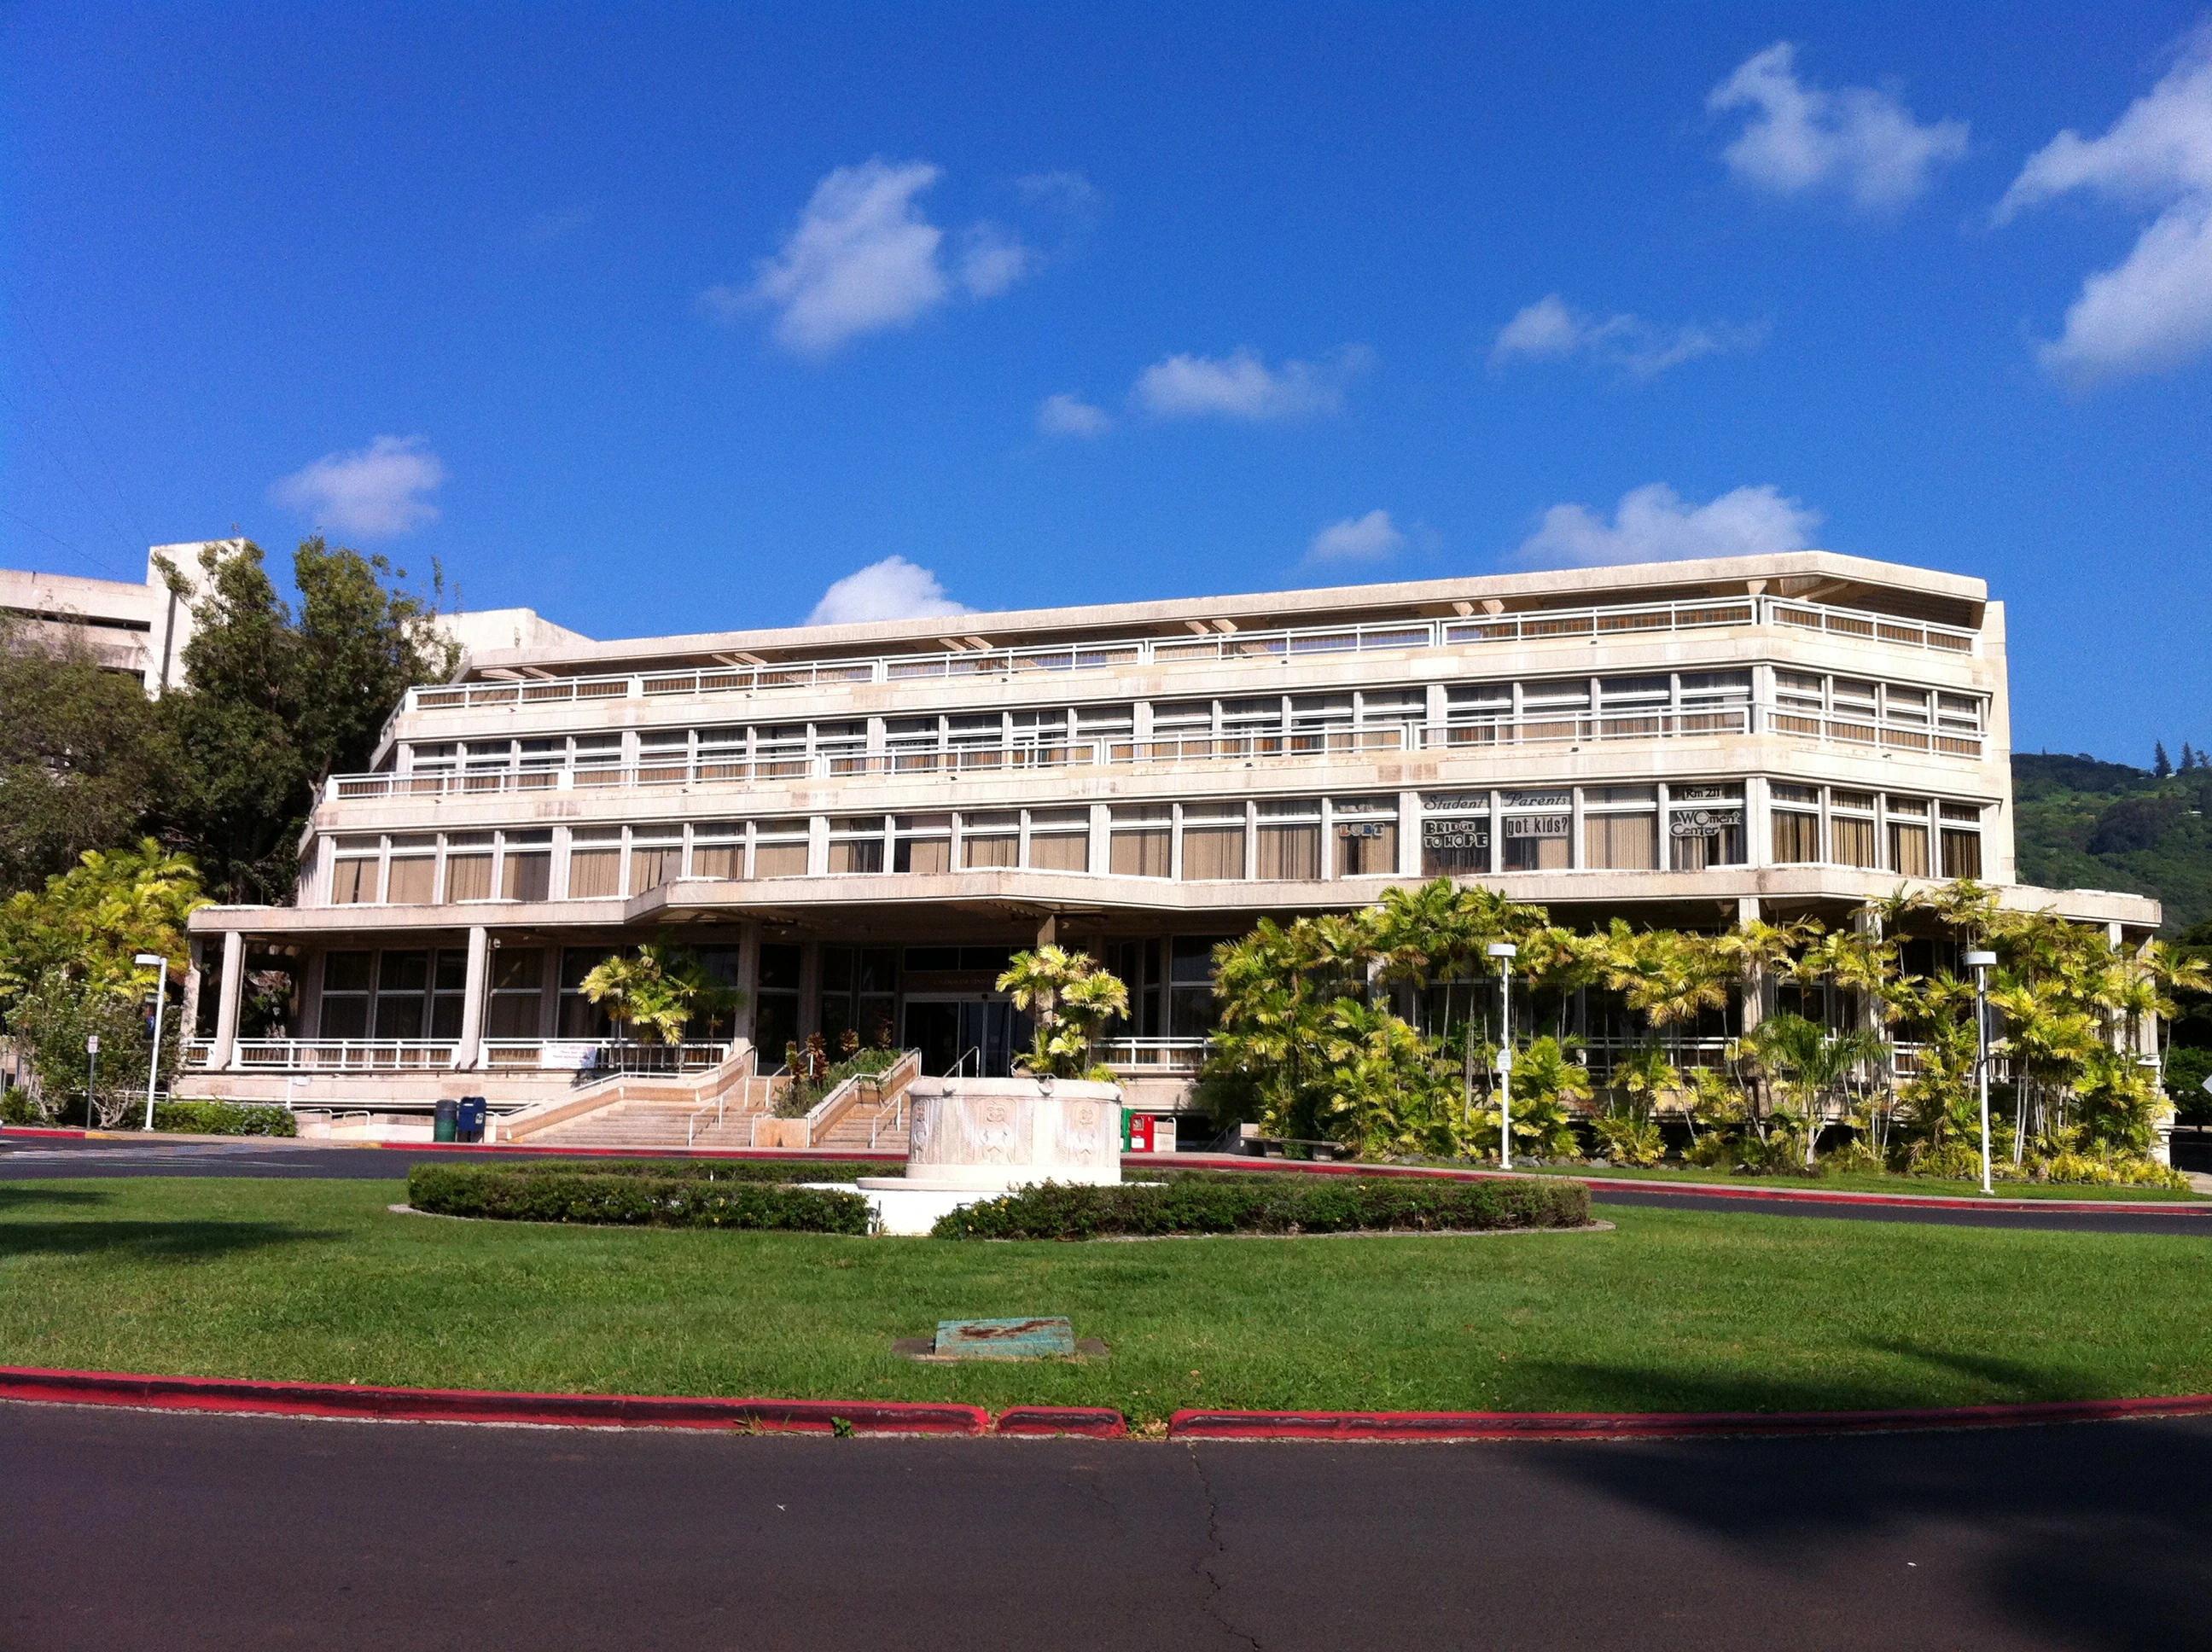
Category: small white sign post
[161,1002]
[91,1080]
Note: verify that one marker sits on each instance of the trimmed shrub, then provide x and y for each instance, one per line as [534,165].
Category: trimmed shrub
[694,1169]
[553,1195]
[225,1118]
[1283,1204]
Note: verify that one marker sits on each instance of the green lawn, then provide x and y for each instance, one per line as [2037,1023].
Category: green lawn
[316,1280]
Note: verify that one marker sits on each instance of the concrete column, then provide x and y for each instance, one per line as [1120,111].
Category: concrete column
[809,985]
[226,1010]
[1409,834]
[749,946]
[1048,931]
[188,1025]
[474,993]
[1747,911]
[1101,840]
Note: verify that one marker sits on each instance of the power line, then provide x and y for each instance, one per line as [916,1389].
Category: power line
[91,442]
[100,509]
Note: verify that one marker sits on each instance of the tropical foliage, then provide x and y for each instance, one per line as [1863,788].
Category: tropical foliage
[1071,998]
[1760,1045]
[67,971]
[655,991]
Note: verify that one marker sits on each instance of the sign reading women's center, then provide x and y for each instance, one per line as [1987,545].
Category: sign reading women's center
[1703,823]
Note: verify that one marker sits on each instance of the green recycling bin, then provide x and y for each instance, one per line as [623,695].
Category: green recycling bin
[449,1120]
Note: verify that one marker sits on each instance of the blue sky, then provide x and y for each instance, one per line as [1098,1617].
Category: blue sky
[668,319]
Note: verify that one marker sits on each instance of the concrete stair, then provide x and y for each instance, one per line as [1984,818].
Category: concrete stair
[852,1132]
[658,1123]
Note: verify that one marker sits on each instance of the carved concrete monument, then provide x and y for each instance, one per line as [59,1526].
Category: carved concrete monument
[973,1138]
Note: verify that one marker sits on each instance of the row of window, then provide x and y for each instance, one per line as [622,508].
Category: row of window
[796,745]
[1682,828]
[1913,837]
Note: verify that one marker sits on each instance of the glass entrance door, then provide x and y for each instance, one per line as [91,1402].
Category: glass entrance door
[981,1036]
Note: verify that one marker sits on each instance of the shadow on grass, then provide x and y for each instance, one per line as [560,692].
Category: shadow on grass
[21,1196]
[2089,1535]
[171,1242]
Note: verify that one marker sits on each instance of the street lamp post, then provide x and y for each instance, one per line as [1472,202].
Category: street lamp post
[1980,963]
[161,1002]
[1504,952]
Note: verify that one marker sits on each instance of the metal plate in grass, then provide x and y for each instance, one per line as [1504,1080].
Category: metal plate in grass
[1031,1339]
[1024,1339]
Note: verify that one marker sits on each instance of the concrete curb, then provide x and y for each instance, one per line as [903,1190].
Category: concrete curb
[882,1418]
[1655,1425]
[869,1416]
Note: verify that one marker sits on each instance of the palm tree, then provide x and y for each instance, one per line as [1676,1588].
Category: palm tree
[1814,1063]
[1072,999]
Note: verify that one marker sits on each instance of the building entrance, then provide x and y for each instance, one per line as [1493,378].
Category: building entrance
[981,1036]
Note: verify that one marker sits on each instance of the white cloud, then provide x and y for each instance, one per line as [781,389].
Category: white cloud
[1654,523]
[1860,140]
[892,589]
[374,492]
[1064,414]
[1370,538]
[1549,330]
[2154,309]
[864,259]
[1242,385]
[1071,192]
[992,259]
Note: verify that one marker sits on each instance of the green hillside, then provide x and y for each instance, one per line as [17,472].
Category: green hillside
[2086,825]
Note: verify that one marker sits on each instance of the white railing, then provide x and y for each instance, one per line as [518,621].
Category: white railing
[601,1058]
[345,1054]
[1568,728]
[1147,1055]
[1397,636]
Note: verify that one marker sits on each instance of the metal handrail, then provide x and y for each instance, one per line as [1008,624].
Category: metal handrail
[1565,728]
[1395,635]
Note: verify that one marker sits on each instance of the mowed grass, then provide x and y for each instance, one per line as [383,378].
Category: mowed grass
[316,1280]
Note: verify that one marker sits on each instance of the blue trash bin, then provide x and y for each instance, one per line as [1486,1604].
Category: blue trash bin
[470,1126]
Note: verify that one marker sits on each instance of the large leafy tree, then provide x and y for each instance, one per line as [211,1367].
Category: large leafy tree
[77,759]
[278,701]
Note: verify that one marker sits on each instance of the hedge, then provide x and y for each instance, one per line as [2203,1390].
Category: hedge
[225,1118]
[543,1194]
[695,1169]
[1282,1203]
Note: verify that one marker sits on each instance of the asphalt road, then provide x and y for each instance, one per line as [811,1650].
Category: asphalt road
[29,1157]
[121,1530]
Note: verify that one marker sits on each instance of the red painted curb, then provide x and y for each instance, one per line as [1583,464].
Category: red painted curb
[882,1418]
[875,1417]
[1653,1425]
[1696,1189]
[1092,1423]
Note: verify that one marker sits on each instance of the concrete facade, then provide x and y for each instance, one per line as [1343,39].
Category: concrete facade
[136,630]
[856,823]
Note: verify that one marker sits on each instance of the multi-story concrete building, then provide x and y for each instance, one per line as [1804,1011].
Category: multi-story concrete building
[142,631]
[855,824]
[134,630]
